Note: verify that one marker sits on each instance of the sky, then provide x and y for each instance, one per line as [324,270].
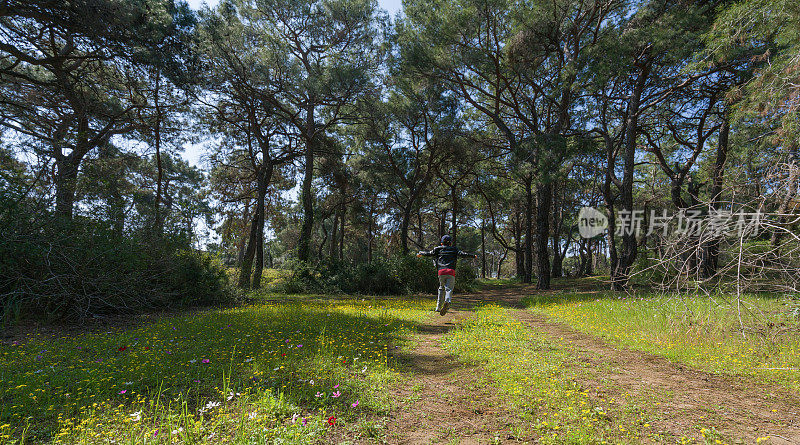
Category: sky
[193,152]
[392,6]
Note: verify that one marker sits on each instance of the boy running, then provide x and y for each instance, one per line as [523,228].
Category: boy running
[446,258]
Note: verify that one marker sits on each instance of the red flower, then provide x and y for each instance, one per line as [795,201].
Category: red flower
[331,420]
[122,348]
[283,354]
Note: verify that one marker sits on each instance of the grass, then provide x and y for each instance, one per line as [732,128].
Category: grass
[538,377]
[265,373]
[490,283]
[303,370]
[758,336]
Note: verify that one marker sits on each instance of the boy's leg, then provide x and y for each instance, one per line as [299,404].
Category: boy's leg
[449,282]
[442,292]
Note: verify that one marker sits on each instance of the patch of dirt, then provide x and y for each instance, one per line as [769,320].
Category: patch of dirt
[446,401]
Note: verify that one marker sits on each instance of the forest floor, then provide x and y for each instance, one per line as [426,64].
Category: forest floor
[507,364]
[643,397]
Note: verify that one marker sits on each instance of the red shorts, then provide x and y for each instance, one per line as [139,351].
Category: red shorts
[447,272]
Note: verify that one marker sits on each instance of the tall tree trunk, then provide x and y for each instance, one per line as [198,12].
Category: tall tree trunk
[370,230]
[557,270]
[712,262]
[259,266]
[334,234]
[342,229]
[404,229]
[528,273]
[610,200]
[321,247]
[420,236]
[304,243]
[587,251]
[256,230]
[589,271]
[242,243]
[250,251]
[454,225]
[262,196]
[519,251]
[620,275]
[483,249]
[584,258]
[500,263]
[66,179]
[544,195]
[159,165]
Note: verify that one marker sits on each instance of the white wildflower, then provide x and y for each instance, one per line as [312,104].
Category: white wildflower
[209,406]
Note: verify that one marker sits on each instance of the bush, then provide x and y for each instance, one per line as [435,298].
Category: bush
[382,276]
[466,276]
[83,268]
[198,278]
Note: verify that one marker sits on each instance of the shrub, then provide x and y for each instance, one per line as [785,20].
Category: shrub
[84,268]
[382,276]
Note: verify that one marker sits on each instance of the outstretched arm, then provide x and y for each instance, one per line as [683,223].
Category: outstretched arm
[427,253]
[463,254]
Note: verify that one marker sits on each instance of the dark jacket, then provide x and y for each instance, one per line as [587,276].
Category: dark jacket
[446,256]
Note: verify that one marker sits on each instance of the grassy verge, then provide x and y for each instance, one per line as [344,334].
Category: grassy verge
[290,371]
[757,336]
[539,379]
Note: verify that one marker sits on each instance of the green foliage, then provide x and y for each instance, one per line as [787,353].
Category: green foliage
[76,269]
[400,275]
[197,277]
[760,39]
[451,116]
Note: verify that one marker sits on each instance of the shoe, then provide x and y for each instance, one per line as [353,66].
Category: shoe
[444,308]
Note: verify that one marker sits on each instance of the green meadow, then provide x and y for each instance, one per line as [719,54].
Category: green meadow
[255,374]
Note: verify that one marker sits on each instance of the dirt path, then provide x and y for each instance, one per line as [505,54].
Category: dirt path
[735,406]
[450,402]
[447,401]
[738,407]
